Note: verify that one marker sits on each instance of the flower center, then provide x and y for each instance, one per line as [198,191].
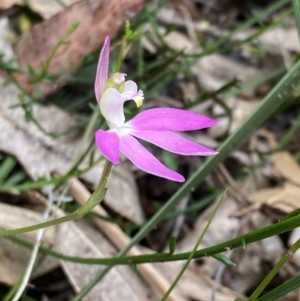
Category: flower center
[116,91]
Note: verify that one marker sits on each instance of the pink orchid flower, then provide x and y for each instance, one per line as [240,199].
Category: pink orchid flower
[154,125]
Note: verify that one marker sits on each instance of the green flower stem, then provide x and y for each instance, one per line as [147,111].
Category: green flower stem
[92,202]
[251,237]
[287,256]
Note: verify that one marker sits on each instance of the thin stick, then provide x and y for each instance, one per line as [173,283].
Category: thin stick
[120,240]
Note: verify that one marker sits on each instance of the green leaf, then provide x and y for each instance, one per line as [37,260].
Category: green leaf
[170,160]
[73,27]
[134,268]
[224,259]
[297,14]
[6,167]
[282,289]
[244,243]
[172,244]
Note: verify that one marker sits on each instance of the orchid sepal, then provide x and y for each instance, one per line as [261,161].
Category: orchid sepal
[102,69]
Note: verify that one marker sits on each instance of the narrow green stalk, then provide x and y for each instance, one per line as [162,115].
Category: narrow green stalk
[282,289]
[297,15]
[61,3]
[251,237]
[287,256]
[60,43]
[87,135]
[192,254]
[121,54]
[285,139]
[93,201]
[74,169]
[73,172]
[38,184]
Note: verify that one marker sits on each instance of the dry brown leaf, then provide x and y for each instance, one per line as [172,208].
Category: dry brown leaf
[194,284]
[277,38]
[12,217]
[214,71]
[122,195]
[240,109]
[175,39]
[273,246]
[295,235]
[273,39]
[115,234]
[179,42]
[197,288]
[24,140]
[251,262]
[45,8]
[5,46]
[98,19]
[78,239]
[222,228]
[287,167]
[286,198]
[14,260]
[13,257]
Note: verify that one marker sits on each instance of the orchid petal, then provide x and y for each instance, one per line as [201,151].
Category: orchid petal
[173,142]
[102,69]
[131,92]
[144,160]
[111,106]
[168,119]
[108,143]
